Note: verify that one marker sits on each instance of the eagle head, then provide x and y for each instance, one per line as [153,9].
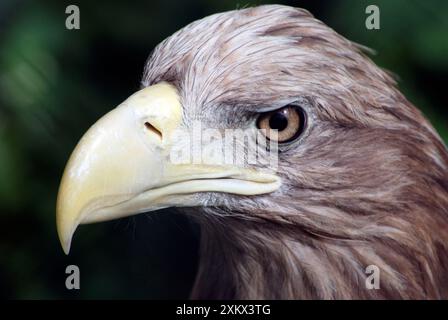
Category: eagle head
[348,173]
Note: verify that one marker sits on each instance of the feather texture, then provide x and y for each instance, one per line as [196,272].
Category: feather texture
[368,184]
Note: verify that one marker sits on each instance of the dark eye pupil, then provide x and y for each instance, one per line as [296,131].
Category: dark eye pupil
[278,121]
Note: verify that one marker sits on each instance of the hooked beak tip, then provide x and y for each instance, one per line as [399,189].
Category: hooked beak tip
[65,233]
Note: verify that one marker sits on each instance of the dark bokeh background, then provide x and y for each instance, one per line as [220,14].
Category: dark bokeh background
[54,83]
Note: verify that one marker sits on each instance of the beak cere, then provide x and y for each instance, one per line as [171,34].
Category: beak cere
[121,166]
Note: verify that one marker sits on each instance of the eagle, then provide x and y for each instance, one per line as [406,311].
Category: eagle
[361,178]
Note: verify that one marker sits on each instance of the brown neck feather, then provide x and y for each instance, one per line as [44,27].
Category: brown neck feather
[248,260]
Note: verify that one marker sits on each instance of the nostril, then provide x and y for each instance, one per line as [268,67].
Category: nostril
[150,127]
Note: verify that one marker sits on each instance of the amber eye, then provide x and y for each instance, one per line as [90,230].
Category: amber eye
[289,122]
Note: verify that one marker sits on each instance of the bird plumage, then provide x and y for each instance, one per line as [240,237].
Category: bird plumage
[361,178]
[367,184]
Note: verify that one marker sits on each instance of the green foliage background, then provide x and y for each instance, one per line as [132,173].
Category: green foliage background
[54,83]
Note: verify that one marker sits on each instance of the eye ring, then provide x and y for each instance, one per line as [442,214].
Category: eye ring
[289,121]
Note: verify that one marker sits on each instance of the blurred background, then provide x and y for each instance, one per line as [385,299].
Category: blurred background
[54,83]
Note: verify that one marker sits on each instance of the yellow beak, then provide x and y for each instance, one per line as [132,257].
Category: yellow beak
[122,166]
